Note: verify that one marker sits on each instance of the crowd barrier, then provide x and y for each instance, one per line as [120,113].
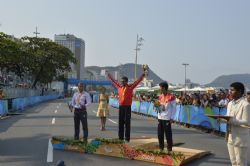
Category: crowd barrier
[187,114]
[95,98]
[18,92]
[3,107]
[20,103]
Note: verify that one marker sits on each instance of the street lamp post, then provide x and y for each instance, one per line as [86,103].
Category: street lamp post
[185,65]
[139,41]
[120,70]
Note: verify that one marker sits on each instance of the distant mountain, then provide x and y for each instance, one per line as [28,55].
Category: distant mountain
[226,80]
[127,70]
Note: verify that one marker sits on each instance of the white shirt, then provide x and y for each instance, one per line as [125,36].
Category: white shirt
[167,111]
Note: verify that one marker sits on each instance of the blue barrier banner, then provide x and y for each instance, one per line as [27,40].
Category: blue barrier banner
[20,103]
[151,110]
[182,114]
[135,106]
[212,121]
[177,113]
[219,111]
[144,106]
[116,103]
[217,124]
[197,117]
[223,127]
[3,107]
[58,146]
[95,98]
[188,114]
[111,101]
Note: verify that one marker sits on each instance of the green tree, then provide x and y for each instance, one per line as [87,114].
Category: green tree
[48,60]
[12,56]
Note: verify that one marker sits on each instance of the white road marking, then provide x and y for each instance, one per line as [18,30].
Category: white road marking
[55,111]
[50,152]
[112,121]
[108,119]
[53,121]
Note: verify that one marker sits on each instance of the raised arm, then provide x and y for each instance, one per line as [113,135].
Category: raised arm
[137,81]
[114,82]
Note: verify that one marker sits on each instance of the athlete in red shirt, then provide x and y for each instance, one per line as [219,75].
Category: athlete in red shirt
[125,94]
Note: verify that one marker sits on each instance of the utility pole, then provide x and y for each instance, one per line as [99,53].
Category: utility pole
[139,41]
[185,65]
[36,32]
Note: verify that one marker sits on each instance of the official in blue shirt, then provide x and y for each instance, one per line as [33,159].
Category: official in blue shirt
[79,103]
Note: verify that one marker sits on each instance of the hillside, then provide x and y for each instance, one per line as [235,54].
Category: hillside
[127,70]
[226,80]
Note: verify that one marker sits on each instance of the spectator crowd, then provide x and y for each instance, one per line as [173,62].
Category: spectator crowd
[200,99]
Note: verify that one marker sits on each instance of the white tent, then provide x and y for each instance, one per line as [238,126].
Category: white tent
[182,90]
[210,89]
[170,87]
[155,87]
[142,88]
[198,89]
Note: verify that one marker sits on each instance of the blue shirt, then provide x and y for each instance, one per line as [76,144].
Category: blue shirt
[80,100]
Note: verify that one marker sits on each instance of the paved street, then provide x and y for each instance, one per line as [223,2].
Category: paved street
[24,138]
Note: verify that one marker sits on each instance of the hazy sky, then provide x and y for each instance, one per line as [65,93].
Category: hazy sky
[213,36]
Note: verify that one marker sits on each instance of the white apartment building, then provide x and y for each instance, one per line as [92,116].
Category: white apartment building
[77,46]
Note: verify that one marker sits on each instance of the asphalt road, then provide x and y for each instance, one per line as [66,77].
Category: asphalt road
[24,139]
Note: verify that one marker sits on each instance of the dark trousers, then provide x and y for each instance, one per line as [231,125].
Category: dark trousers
[124,119]
[164,126]
[80,115]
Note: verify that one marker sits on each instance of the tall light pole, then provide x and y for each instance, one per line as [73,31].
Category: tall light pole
[139,41]
[185,65]
[120,71]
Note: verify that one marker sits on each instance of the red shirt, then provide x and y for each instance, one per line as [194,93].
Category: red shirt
[165,98]
[125,93]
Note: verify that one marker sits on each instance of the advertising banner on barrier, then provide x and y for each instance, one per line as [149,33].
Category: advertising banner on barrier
[116,103]
[151,110]
[198,118]
[144,106]
[135,106]
[3,107]
[196,115]
[21,103]
[111,101]
[183,114]
[187,114]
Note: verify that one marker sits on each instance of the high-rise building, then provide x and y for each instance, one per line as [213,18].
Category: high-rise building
[77,46]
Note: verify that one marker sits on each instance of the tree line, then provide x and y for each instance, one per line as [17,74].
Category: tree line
[40,58]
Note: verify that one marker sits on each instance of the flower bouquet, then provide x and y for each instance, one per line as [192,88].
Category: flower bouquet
[157,105]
